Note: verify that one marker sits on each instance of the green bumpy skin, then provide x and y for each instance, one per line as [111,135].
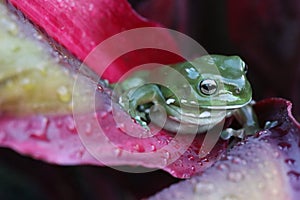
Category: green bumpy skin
[191,96]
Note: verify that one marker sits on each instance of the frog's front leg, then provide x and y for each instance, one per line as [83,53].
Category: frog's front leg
[149,93]
[247,118]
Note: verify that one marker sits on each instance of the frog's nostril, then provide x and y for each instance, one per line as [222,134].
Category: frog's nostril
[237,90]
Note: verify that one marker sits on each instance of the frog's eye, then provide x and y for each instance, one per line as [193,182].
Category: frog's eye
[208,86]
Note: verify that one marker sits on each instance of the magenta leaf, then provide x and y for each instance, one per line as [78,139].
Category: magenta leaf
[263,166]
[55,139]
[81,25]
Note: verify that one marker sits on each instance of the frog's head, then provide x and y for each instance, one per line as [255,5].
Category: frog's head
[217,82]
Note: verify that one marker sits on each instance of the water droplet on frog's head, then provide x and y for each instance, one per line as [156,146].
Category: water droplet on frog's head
[203,188]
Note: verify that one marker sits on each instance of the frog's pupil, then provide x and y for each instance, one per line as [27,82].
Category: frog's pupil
[208,87]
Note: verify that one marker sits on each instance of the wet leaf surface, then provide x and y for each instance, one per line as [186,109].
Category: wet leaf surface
[55,138]
[260,167]
[264,165]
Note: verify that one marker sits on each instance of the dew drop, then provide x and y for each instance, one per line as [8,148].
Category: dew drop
[38,127]
[70,124]
[118,152]
[235,176]
[230,197]
[284,146]
[261,185]
[289,161]
[237,160]
[63,94]
[103,114]
[191,157]
[222,167]
[121,126]
[179,163]
[88,128]
[27,84]
[91,7]
[59,123]
[204,188]
[139,148]
[274,191]
[167,154]
[79,154]
[276,154]
[153,147]
[193,168]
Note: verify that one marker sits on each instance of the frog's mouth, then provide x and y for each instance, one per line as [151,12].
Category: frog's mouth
[219,107]
[201,114]
[188,121]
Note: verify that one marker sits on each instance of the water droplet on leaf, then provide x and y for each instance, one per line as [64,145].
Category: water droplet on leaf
[63,94]
[230,197]
[204,188]
[289,161]
[235,176]
[284,146]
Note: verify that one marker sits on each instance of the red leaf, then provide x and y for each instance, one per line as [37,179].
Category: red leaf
[82,25]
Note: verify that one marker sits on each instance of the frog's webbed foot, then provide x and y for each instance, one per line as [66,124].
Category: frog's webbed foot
[140,101]
[247,118]
[238,133]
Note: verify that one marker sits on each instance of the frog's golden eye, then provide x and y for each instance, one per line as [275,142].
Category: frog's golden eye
[208,87]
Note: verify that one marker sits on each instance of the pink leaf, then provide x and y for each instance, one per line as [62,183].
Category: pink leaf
[265,166]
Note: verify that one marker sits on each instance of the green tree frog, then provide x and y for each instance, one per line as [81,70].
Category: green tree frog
[191,96]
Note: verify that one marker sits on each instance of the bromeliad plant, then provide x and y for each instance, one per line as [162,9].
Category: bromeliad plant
[36,116]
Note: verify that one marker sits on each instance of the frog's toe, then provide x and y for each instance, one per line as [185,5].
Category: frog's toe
[141,122]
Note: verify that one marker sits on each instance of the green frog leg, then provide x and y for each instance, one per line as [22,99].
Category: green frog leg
[149,93]
[246,117]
